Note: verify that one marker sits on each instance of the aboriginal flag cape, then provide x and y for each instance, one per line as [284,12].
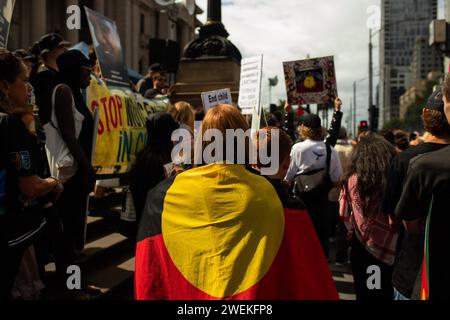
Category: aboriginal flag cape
[220,232]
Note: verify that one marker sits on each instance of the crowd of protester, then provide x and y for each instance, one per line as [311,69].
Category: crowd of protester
[383,195]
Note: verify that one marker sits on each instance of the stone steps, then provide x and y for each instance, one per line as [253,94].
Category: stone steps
[108,259]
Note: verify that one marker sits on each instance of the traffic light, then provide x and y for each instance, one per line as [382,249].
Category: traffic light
[364,125]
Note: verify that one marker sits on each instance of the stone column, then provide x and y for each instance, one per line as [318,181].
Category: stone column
[135,36]
[99,6]
[164,25]
[38,19]
[215,10]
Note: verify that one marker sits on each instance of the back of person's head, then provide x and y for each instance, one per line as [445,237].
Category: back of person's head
[342,135]
[311,128]
[10,66]
[275,119]
[10,69]
[71,65]
[158,150]
[183,113]
[156,67]
[160,127]
[370,163]
[264,139]
[388,135]
[433,116]
[401,140]
[199,114]
[222,118]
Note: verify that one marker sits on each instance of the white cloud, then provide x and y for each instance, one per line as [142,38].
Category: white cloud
[285,30]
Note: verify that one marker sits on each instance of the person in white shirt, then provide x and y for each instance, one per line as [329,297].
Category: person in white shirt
[311,155]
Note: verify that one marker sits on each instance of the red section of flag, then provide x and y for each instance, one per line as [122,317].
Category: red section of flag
[424,294]
[299,272]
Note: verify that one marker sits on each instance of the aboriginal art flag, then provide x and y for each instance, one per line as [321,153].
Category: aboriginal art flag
[220,232]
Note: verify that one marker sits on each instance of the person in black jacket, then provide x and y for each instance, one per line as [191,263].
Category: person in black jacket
[148,170]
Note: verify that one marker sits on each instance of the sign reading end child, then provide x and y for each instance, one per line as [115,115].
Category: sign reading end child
[214,98]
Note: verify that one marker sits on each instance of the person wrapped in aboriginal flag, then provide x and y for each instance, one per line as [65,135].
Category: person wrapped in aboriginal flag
[220,232]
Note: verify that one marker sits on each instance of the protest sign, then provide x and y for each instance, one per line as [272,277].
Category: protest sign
[250,86]
[108,48]
[214,98]
[122,132]
[310,81]
[6,12]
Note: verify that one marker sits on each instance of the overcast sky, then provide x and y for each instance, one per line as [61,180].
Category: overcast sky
[287,30]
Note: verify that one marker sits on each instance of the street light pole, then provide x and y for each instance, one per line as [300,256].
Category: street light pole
[371,106]
[354,108]
[270,92]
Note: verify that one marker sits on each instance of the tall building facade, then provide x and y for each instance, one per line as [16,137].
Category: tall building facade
[137,20]
[425,59]
[402,22]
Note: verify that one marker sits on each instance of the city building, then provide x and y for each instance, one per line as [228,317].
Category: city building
[417,91]
[427,65]
[425,59]
[138,21]
[411,95]
[402,22]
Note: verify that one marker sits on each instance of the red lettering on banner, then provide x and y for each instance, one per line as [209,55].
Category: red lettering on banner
[113,112]
[120,107]
[105,108]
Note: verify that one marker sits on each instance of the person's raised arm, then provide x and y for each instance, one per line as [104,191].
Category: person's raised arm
[289,121]
[335,123]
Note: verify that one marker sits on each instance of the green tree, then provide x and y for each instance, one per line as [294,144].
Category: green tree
[394,124]
[413,116]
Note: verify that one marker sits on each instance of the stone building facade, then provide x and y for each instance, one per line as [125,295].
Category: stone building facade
[138,21]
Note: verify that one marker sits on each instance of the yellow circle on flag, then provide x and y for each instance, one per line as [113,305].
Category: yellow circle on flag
[309,82]
[223,227]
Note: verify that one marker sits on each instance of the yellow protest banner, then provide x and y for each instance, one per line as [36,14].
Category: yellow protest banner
[122,130]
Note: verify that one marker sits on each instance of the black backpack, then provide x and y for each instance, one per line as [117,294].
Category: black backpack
[316,184]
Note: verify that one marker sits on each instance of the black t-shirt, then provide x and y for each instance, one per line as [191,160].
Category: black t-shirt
[3,167]
[429,179]
[398,172]
[22,216]
[43,83]
[409,254]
